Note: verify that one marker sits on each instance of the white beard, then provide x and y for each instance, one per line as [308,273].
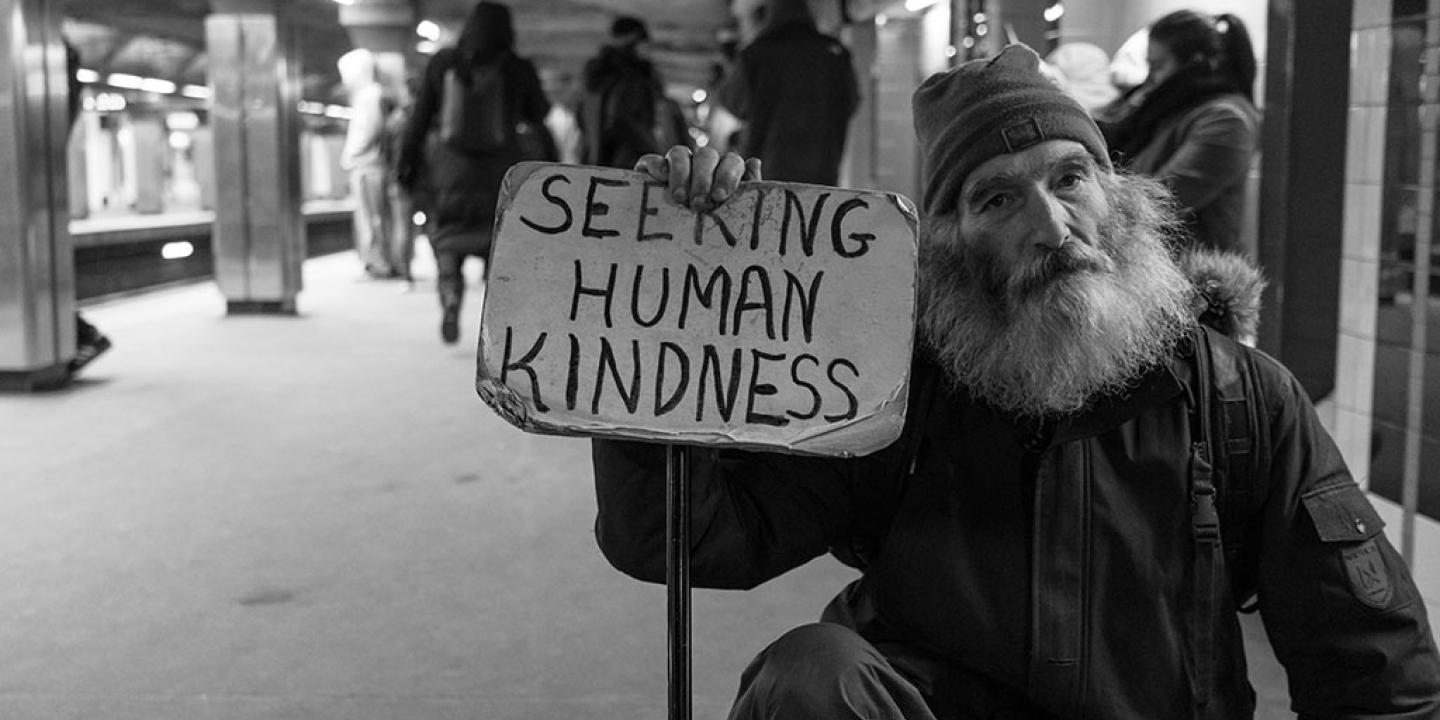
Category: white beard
[1052,336]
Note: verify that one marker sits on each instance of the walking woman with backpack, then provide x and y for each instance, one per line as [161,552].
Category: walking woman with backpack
[479,109]
[1193,124]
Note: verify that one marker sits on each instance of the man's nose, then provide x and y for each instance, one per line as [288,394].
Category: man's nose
[1051,228]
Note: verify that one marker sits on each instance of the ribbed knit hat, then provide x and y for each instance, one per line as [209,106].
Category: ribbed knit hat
[984,108]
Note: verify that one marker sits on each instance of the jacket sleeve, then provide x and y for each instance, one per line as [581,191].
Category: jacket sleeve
[422,117]
[1213,155]
[1339,605]
[754,515]
[367,120]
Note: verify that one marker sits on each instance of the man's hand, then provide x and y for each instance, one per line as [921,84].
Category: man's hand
[702,180]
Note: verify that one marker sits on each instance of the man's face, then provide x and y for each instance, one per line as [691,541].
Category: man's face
[1033,216]
[1051,283]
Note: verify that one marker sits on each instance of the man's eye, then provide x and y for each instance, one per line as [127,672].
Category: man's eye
[996,201]
[1069,180]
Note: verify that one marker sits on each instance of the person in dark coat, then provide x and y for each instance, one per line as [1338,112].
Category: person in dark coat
[1041,542]
[795,90]
[622,93]
[1193,124]
[458,188]
[90,343]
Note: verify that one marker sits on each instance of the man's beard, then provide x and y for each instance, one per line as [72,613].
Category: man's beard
[1058,331]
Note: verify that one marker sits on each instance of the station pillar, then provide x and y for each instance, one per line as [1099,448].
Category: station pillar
[259,236]
[37,267]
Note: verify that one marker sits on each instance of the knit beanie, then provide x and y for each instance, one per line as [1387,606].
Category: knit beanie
[984,108]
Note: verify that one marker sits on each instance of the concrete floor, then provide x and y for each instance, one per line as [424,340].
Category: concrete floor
[315,517]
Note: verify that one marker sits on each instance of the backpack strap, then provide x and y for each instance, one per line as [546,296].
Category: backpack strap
[1204,525]
[1241,460]
[1229,455]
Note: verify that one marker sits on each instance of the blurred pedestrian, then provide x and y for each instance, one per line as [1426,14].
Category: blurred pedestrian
[1082,70]
[1193,124]
[90,343]
[618,112]
[401,204]
[480,109]
[361,157]
[794,89]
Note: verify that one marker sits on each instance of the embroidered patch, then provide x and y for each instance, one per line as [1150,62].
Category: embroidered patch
[1022,134]
[1369,580]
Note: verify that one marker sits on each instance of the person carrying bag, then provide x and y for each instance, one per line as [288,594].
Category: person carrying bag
[480,109]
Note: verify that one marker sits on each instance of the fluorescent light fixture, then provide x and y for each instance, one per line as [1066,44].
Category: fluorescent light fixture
[918,5]
[87,76]
[310,107]
[176,250]
[339,112]
[427,47]
[156,85]
[199,92]
[109,102]
[125,80]
[182,120]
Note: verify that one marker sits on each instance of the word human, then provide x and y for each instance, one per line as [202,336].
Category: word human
[796,218]
[755,294]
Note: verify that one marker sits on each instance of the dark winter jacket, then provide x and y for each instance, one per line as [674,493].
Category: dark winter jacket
[617,113]
[794,88]
[460,190]
[1049,568]
[1199,140]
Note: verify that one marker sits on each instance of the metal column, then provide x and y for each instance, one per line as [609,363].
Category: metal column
[37,268]
[259,237]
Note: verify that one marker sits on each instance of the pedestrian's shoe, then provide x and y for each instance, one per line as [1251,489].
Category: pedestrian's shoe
[87,351]
[450,325]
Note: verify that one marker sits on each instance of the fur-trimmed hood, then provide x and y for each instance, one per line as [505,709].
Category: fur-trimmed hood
[1227,292]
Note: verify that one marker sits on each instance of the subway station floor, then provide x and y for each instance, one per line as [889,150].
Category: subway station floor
[308,517]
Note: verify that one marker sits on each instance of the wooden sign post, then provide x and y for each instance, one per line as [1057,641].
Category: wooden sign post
[782,320]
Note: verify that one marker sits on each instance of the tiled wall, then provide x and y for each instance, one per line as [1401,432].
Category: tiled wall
[1389,326]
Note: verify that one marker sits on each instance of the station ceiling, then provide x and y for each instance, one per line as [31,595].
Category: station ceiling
[166,38]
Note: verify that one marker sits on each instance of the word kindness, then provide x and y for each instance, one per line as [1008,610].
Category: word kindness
[781,319]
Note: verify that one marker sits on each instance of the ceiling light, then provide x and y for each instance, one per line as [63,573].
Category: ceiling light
[156,85]
[1054,12]
[918,5]
[124,80]
[429,30]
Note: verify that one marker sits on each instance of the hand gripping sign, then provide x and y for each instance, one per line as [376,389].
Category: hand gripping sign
[782,320]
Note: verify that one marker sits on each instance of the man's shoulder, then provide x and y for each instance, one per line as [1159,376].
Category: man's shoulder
[1275,385]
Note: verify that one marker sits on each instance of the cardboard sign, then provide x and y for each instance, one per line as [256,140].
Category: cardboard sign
[783,320]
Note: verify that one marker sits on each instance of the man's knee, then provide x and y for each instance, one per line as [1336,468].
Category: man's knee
[824,670]
[819,646]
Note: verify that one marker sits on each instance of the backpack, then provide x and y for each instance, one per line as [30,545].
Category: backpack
[472,111]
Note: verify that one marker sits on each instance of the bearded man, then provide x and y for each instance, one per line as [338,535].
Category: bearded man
[1028,545]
